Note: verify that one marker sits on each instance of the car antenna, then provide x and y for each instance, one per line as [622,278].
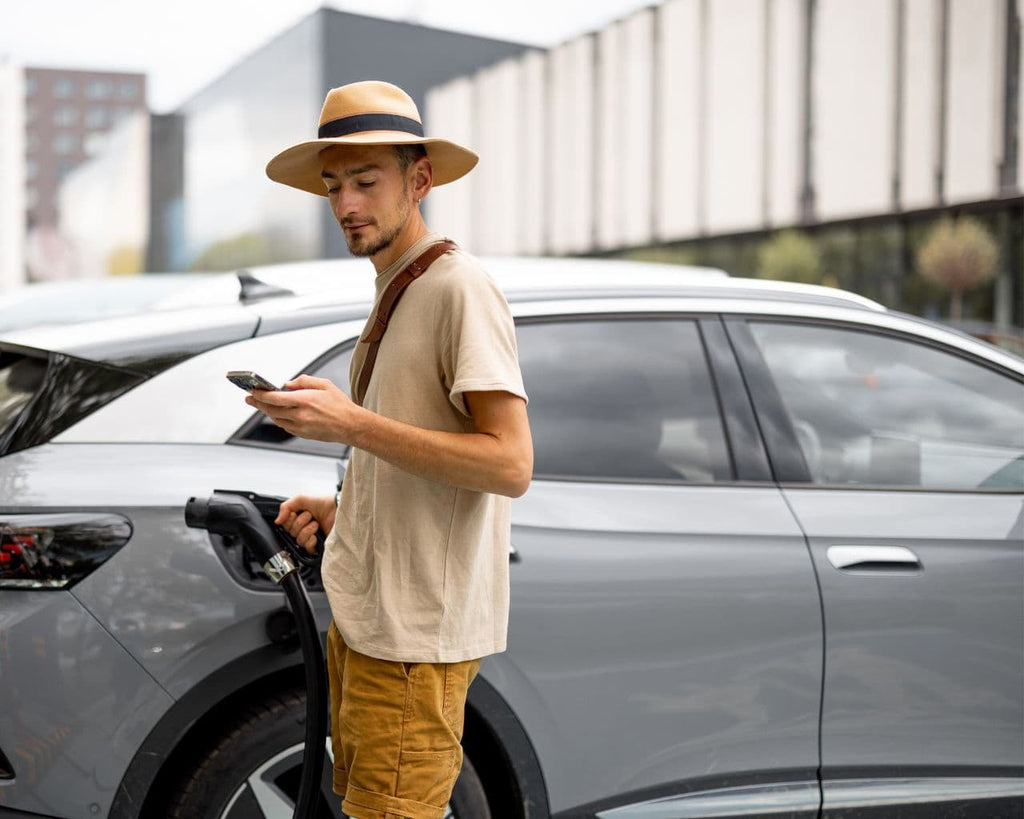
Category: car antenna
[254,289]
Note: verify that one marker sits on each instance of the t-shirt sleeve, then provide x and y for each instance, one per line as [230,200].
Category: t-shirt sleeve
[478,341]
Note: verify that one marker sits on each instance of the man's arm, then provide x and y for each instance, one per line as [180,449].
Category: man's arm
[497,456]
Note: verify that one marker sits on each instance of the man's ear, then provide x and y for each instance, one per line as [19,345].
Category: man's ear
[422,178]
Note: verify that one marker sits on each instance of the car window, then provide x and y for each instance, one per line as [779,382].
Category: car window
[261,430]
[43,394]
[624,399]
[879,410]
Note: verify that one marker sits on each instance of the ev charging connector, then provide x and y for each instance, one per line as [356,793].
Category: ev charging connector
[249,516]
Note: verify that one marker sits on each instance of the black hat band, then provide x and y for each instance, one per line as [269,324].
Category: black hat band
[369,122]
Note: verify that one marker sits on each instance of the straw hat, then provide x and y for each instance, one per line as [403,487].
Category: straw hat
[367,113]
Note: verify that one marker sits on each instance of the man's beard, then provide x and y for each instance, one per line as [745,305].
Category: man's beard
[386,237]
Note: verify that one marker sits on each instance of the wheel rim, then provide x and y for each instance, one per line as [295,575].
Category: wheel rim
[273,787]
[266,789]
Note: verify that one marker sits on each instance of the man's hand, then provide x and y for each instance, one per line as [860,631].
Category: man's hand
[311,408]
[303,515]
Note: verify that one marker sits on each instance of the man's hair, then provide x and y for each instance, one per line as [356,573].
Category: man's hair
[407,154]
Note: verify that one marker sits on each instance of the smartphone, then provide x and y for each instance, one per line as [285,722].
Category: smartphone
[249,381]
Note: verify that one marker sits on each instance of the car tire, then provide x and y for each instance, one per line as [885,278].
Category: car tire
[252,771]
[469,801]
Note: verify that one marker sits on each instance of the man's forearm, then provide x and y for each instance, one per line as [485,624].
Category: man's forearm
[496,456]
[482,461]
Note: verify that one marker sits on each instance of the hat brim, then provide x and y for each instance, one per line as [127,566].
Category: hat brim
[299,166]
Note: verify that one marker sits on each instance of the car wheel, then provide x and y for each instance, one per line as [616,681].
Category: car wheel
[468,798]
[253,770]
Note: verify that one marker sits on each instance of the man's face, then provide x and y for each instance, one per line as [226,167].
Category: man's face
[370,196]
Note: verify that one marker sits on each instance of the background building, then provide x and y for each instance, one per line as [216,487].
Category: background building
[120,212]
[694,130]
[233,214]
[12,177]
[820,140]
[66,115]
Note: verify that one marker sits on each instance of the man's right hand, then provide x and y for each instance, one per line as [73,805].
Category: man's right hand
[302,515]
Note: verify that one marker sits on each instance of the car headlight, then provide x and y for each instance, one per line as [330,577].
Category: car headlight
[55,551]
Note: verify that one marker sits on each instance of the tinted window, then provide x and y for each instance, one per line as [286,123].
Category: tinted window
[871,409]
[622,400]
[21,377]
[42,396]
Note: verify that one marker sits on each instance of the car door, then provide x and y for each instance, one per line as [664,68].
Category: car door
[911,493]
[665,638]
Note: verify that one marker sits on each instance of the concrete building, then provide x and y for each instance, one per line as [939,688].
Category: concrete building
[233,214]
[120,213]
[695,129]
[691,130]
[187,190]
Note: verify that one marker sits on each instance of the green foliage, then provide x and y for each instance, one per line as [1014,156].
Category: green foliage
[790,256]
[958,256]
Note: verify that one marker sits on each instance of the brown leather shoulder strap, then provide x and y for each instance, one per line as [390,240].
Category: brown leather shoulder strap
[387,306]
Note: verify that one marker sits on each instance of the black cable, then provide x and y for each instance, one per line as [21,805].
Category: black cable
[249,516]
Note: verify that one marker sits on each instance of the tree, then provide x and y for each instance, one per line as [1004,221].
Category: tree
[790,256]
[958,256]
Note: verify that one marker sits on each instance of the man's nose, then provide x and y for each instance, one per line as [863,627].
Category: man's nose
[344,203]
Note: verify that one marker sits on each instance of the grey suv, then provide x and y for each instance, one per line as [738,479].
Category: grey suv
[771,562]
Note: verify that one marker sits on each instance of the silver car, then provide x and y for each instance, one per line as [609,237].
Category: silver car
[771,562]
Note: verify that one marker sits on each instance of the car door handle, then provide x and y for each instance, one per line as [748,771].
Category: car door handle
[873,558]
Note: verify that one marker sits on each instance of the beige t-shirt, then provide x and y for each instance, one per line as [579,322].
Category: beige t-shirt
[415,570]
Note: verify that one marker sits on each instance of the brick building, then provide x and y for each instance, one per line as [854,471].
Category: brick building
[66,112]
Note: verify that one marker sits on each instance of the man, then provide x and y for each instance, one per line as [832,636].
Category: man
[416,561]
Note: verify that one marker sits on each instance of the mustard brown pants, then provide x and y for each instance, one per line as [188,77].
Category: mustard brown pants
[396,732]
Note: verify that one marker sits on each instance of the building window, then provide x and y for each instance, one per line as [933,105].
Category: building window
[31,85]
[97,117]
[65,116]
[31,169]
[119,114]
[97,89]
[94,143]
[127,90]
[64,144]
[31,197]
[64,167]
[64,88]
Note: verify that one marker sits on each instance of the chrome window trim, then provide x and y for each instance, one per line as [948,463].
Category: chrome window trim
[852,794]
[748,800]
[758,308]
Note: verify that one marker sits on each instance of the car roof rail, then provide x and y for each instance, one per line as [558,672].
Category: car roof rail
[253,289]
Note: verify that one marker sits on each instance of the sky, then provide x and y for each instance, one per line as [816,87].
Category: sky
[183,45]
